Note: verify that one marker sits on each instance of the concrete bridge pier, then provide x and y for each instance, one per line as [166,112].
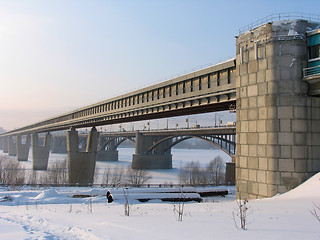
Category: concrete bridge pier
[1,143]
[23,149]
[5,145]
[12,146]
[107,150]
[230,177]
[40,154]
[82,164]
[278,144]
[159,157]
[59,144]
[108,155]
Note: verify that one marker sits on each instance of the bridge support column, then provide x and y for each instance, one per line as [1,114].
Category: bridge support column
[278,136]
[40,154]
[82,164]
[1,143]
[230,178]
[23,149]
[59,144]
[12,146]
[108,155]
[5,144]
[159,158]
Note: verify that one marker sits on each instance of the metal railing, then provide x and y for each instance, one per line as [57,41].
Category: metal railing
[311,72]
[280,16]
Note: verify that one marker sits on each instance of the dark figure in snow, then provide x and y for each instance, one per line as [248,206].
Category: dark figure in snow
[109,197]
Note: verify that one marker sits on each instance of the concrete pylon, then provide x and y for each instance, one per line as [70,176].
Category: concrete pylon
[1,143]
[23,149]
[277,122]
[12,146]
[5,144]
[82,164]
[59,144]
[109,154]
[40,154]
[159,158]
[230,176]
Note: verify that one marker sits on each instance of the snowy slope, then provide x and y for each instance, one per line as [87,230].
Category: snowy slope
[54,214]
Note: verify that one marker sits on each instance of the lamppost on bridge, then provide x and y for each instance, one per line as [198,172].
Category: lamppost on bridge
[219,120]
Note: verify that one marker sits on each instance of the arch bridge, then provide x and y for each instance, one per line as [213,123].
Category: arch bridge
[153,148]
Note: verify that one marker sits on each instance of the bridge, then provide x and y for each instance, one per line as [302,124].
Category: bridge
[152,148]
[274,84]
[208,90]
[154,144]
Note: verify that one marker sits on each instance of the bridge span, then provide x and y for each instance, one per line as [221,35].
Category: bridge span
[207,90]
[274,83]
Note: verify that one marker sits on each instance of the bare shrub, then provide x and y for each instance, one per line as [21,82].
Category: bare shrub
[90,206]
[33,178]
[216,171]
[192,174]
[1,163]
[178,208]
[127,205]
[57,173]
[316,211]
[241,213]
[136,177]
[96,175]
[106,177]
[11,172]
[117,176]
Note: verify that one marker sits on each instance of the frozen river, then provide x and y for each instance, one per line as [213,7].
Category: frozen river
[180,157]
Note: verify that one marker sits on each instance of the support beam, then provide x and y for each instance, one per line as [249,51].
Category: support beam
[40,154]
[12,146]
[82,164]
[23,149]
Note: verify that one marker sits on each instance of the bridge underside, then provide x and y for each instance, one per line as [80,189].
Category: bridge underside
[143,114]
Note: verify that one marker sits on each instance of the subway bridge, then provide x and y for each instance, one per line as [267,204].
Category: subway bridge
[273,82]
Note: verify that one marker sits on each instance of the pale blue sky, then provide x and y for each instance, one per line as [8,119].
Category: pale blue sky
[56,56]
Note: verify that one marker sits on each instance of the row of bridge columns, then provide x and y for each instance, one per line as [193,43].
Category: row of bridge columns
[151,152]
[81,164]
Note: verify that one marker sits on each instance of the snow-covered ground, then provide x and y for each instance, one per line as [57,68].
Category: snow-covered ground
[53,214]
